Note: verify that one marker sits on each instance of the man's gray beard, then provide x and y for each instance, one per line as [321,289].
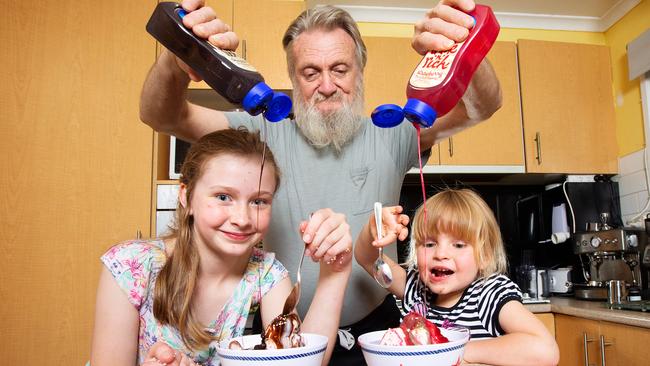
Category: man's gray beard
[335,128]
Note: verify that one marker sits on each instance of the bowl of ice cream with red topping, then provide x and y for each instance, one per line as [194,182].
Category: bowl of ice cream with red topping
[416,342]
[282,343]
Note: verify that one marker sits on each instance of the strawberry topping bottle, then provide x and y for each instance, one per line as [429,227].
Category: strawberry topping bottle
[441,78]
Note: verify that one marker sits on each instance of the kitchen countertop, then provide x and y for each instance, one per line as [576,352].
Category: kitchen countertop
[595,310]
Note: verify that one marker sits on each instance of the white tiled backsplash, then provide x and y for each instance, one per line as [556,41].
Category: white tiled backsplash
[166,201]
[632,185]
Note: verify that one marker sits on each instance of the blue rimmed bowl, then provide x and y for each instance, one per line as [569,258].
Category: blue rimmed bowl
[442,354]
[309,355]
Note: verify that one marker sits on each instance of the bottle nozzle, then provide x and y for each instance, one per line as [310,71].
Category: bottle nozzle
[256,99]
[278,107]
[419,113]
[261,98]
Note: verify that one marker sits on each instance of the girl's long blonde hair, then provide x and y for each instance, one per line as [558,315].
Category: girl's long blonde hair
[465,215]
[175,285]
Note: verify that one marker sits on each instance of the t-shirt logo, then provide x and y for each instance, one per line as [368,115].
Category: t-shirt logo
[359,176]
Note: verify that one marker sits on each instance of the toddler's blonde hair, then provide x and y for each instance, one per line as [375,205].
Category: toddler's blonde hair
[463,214]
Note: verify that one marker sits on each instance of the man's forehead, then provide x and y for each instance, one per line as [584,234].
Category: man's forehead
[322,45]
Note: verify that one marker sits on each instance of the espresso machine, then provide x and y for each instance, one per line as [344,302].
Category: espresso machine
[606,254]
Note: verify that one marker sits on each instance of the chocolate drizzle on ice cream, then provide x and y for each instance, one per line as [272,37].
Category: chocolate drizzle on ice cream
[283,332]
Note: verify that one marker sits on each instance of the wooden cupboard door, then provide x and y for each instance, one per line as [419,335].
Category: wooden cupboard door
[548,319]
[628,345]
[76,166]
[498,140]
[570,333]
[391,60]
[568,108]
[224,9]
[260,25]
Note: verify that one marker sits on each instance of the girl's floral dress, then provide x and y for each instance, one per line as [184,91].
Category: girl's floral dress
[135,266]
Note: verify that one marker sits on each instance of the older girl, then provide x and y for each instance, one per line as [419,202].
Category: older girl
[198,286]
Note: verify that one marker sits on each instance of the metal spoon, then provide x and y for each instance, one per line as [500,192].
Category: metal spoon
[294,296]
[382,272]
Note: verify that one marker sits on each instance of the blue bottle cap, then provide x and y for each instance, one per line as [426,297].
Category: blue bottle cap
[387,115]
[257,98]
[278,107]
[419,112]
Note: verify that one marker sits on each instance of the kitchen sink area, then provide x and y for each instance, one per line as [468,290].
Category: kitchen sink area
[595,310]
[643,305]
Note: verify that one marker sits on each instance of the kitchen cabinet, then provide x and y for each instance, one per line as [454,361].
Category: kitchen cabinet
[576,338]
[567,106]
[76,166]
[260,25]
[391,61]
[548,319]
[624,345]
[584,342]
[497,141]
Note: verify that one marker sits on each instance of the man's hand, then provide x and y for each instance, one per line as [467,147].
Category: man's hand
[444,25]
[205,23]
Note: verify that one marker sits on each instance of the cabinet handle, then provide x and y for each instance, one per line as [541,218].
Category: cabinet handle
[538,143]
[243,49]
[585,341]
[451,147]
[138,234]
[603,343]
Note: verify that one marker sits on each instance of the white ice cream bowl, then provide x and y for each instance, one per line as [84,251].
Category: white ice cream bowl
[441,354]
[309,355]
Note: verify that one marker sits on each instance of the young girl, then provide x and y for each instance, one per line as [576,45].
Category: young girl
[456,268]
[198,286]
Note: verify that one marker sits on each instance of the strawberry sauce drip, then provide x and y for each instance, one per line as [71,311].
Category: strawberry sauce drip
[424,206]
[419,330]
[424,192]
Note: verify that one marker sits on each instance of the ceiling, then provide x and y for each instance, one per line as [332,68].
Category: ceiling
[584,15]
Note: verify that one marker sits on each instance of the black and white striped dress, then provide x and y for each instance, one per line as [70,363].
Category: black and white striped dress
[478,308]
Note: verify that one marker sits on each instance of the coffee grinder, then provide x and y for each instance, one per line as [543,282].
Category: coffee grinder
[608,254]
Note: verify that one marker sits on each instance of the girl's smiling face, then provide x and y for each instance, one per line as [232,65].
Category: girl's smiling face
[447,266]
[230,208]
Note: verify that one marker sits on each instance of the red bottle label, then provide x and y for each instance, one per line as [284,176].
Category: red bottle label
[434,67]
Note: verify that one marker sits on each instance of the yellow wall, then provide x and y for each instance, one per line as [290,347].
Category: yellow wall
[385,29]
[629,115]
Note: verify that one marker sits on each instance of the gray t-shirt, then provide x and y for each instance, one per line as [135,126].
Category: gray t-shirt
[370,168]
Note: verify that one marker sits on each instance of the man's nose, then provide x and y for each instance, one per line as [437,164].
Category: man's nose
[327,87]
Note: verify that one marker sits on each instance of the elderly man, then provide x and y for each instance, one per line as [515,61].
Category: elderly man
[330,156]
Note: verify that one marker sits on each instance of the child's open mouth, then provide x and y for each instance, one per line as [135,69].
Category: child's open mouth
[441,272]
